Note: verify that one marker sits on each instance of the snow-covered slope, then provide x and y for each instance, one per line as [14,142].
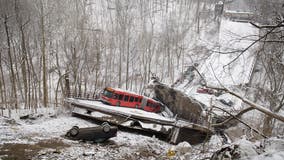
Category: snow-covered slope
[229,65]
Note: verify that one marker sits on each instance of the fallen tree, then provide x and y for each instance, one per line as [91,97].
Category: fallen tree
[252,104]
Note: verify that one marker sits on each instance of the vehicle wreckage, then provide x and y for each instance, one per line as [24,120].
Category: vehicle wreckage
[95,134]
[162,124]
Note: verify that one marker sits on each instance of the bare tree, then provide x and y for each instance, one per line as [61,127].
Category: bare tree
[12,72]
[43,51]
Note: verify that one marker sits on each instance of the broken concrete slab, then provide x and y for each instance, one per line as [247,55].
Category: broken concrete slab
[180,104]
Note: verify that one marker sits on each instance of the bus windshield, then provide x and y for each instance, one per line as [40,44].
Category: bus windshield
[107,93]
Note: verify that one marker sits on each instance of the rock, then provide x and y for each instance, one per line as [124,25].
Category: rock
[89,153]
[183,148]
[31,116]
[246,148]
[25,117]
[274,144]
[11,121]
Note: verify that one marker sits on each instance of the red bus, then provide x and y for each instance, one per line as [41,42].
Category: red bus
[118,97]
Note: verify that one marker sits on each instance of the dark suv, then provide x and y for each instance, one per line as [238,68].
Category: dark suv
[95,134]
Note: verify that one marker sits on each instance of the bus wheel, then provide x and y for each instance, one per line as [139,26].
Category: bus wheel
[117,103]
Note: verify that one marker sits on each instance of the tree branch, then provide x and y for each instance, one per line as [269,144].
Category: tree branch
[233,117]
[252,44]
[273,41]
[267,26]
[252,104]
[255,130]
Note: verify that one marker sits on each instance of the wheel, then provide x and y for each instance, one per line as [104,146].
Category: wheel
[76,127]
[117,103]
[74,131]
[104,123]
[135,124]
[106,128]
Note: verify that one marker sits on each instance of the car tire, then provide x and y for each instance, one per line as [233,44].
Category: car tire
[104,123]
[76,127]
[106,128]
[74,131]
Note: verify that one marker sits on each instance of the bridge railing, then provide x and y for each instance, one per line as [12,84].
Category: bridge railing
[89,96]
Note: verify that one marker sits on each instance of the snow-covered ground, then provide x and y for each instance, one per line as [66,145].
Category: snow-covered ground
[41,136]
[48,129]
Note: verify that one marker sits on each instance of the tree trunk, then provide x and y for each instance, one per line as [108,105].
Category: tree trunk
[44,65]
[197,17]
[23,67]
[12,74]
[24,53]
[127,62]
[2,85]
[67,89]
[252,104]
[32,80]
[268,125]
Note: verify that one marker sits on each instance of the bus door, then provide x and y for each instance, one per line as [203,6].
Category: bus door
[144,102]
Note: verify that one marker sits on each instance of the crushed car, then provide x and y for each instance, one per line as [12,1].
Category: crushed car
[94,134]
[205,90]
[226,102]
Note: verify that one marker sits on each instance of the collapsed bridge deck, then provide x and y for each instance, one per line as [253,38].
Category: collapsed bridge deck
[175,130]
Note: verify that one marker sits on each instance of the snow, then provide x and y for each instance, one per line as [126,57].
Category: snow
[221,69]
[123,146]
[39,129]
[183,147]
[268,149]
[247,149]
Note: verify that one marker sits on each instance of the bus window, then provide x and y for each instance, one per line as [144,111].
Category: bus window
[152,105]
[120,97]
[157,106]
[140,100]
[126,98]
[107,93]
[136,99]
[115,96]
[131,99]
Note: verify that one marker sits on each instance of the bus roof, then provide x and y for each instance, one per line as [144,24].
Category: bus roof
[130,92]
[121,90]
